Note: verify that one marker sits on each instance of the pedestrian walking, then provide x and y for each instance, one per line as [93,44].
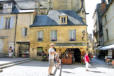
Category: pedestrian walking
[87,60]
[52,53]
[10,52]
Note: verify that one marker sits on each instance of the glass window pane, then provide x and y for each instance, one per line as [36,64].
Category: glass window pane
[40,36]
[72,35]
[12,22]
[7,23]
[1,22]
[53,35]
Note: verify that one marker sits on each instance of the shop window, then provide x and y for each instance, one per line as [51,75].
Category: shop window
[39,51]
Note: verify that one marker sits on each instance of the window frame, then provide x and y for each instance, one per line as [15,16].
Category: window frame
[72,35]
[63,19]
[24,31]
[107,33]
[7,22]
[53,35]
[40,35]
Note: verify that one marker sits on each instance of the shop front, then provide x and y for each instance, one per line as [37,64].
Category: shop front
[71,54]
[23,49]
[107,53]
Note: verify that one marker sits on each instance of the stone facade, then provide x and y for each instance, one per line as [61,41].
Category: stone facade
[7,34]
[62,38]
[23,38]
[108,21]
[23,22]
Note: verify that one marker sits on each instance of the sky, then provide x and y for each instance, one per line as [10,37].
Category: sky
[90,8]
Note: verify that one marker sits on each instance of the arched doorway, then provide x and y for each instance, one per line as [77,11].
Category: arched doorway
[76,54]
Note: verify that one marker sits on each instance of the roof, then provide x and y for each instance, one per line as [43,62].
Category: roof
[17,10]
[29,5]
[53,18]
[23,4]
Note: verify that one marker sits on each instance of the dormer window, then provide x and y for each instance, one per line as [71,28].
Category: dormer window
[63,19]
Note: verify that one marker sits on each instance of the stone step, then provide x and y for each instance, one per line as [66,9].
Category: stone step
[3,55]
[6,65]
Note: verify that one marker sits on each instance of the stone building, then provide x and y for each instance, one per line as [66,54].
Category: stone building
[108,31]
[64,28]
[103,32]
[7,26]
[44,22]
[11,20]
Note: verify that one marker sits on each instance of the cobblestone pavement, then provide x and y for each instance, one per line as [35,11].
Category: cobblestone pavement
[37,68]
[33,68]
[97,68]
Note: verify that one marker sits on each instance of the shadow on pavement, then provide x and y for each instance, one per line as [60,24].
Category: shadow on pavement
[96,71]
[68,72]
[36,64]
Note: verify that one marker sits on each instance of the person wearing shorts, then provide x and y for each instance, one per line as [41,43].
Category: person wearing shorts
[51,52]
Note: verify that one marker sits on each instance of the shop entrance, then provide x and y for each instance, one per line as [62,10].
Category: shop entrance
[23,50]
[76,54]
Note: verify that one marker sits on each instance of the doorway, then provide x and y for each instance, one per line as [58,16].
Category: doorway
[24,49]
[76,54]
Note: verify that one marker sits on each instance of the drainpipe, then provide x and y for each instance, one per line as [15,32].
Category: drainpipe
[15,33]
